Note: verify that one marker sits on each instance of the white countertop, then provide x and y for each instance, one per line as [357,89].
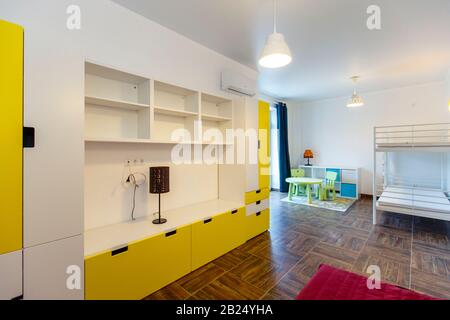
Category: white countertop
[121,234]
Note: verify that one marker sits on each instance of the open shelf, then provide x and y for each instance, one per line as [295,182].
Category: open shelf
[117,104]
[216,108]
[146,141]
[116,140]
[217,118]
[97,101]
[174,112]
[209,117]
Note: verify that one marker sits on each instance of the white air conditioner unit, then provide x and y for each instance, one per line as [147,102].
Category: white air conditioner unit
[238,84]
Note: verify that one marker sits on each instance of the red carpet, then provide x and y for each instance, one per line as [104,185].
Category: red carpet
[334,284]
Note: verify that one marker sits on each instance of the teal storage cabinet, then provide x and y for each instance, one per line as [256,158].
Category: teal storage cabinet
[338,172]
[348,190]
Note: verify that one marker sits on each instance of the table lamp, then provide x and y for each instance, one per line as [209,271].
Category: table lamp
[159,183]
[308,155]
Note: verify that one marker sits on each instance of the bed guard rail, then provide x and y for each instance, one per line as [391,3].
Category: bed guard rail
[418,135]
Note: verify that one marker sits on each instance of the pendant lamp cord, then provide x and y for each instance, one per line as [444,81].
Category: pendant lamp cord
[275,16]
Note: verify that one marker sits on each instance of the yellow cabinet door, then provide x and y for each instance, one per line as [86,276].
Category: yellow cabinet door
[216,236]
[11,126]
[140,269]
[257,223]
[264,144]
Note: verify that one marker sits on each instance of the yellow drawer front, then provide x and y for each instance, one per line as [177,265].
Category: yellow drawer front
[214,237]
[236,229]
[257,223]
[172,259]
[258,195]
[11,88]
[264,149]
[144,268]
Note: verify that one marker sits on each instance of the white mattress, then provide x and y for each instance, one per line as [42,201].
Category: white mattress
[420,199]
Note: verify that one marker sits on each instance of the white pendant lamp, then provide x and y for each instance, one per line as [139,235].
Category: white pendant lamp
[355,100]
[276,53]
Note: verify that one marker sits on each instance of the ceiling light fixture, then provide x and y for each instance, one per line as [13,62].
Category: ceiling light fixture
[276,53]
[355,100]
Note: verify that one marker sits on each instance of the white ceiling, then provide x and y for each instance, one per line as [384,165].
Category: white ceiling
[329,40]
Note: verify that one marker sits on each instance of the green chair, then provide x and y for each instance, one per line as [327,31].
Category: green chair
[329,185]
[298,189]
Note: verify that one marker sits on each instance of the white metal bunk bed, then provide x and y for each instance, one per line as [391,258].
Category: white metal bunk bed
[430,200]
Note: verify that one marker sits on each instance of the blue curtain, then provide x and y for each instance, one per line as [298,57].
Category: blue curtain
[283,145]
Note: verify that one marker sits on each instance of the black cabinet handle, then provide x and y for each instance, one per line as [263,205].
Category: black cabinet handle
[258,202]
[207,221]
[258,214]
[119,251]
[29,137]
[171,233]
[234,211]
[258,191]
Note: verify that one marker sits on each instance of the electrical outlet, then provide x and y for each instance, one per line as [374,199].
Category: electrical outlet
[134,162]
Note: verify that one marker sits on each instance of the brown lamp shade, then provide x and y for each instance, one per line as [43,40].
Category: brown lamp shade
[308,154]
[159,180]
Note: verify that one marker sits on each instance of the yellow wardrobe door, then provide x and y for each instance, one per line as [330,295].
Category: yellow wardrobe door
[264,147]
[11,114]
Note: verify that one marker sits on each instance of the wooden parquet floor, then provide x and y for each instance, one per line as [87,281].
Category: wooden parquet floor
[412,252]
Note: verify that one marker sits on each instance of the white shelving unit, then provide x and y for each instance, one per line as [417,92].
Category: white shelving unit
[125,108]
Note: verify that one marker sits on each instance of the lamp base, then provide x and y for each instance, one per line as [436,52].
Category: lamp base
[159,221]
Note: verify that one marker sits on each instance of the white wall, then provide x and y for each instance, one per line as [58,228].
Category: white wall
[108,199]
[54,98]
[447,81]
[342,136]
[420,169]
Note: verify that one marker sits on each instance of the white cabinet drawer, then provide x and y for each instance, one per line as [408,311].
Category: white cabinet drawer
[349,176]
[11,275]
[257,207]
